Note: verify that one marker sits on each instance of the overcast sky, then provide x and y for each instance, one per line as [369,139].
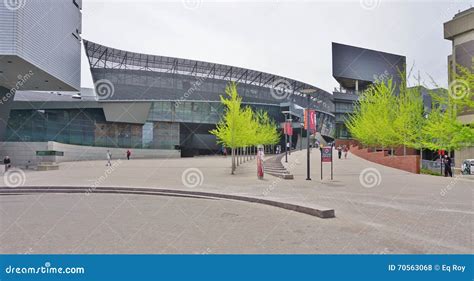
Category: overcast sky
[288,38]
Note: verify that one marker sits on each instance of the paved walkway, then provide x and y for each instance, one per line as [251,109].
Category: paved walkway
[398,212]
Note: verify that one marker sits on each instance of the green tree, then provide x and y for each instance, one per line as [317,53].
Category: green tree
[372,122]
[231,128]
[410,118]
[241,127]
[266,130]
[443,130]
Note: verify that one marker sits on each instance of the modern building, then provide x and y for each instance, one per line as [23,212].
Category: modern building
[175,102]
[460,31]
[355,69]
[155,103]
[40,43]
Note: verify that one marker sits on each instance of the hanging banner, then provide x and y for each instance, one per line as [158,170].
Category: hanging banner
[312,120]
[288,128]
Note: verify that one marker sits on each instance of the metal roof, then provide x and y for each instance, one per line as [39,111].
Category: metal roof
[101,57]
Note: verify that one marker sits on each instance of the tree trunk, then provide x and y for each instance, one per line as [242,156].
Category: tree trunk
[404,150]
[237,150]
[233,160]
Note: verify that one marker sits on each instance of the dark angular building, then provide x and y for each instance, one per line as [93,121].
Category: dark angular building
[355,69]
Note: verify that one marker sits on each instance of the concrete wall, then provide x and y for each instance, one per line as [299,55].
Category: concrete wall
[465,153]
[22,152]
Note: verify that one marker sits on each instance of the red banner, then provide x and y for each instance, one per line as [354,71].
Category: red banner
[288,129]
[312,120]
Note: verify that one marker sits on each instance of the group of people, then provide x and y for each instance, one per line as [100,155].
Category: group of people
[342,149]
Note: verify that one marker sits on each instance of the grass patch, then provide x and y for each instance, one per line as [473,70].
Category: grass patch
[429,172]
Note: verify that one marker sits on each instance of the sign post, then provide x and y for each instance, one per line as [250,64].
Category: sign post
[326,156]
[331,164]
[441,155]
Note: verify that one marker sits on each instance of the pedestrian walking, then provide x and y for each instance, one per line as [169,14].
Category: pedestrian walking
[109,158]
[7,162]
[345,149]
[129,153]
[339,151]
[224,151]
[447,166]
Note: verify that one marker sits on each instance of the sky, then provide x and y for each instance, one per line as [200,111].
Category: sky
[288,38]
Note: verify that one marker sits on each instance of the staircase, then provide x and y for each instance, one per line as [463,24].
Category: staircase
[274,167]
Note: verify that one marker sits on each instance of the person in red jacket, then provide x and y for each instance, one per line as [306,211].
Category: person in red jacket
[129,153]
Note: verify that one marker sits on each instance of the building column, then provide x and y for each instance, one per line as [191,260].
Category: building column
[357,86]
[6,98]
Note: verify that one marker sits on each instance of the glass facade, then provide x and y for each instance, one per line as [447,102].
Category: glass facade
[200,112]
[184,97]
[88,127]
[169,124]
[72,126]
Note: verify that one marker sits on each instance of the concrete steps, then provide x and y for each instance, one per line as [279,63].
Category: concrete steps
[274,167]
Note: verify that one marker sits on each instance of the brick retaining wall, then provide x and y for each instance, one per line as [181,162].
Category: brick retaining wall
[409,163]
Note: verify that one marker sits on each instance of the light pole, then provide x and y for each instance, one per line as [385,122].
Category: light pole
[286,133]
[301,135]
[308,93]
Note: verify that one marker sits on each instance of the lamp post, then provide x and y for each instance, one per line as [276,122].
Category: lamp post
[308,93]
[301,135]
[286,133]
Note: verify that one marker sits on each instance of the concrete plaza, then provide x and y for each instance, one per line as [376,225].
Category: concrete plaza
[378,210]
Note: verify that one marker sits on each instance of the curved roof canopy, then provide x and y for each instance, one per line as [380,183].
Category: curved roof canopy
[105,57]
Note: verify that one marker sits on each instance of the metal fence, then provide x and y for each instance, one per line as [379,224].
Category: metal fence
[435,166]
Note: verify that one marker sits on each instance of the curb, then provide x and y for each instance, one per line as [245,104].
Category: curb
[313,211]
